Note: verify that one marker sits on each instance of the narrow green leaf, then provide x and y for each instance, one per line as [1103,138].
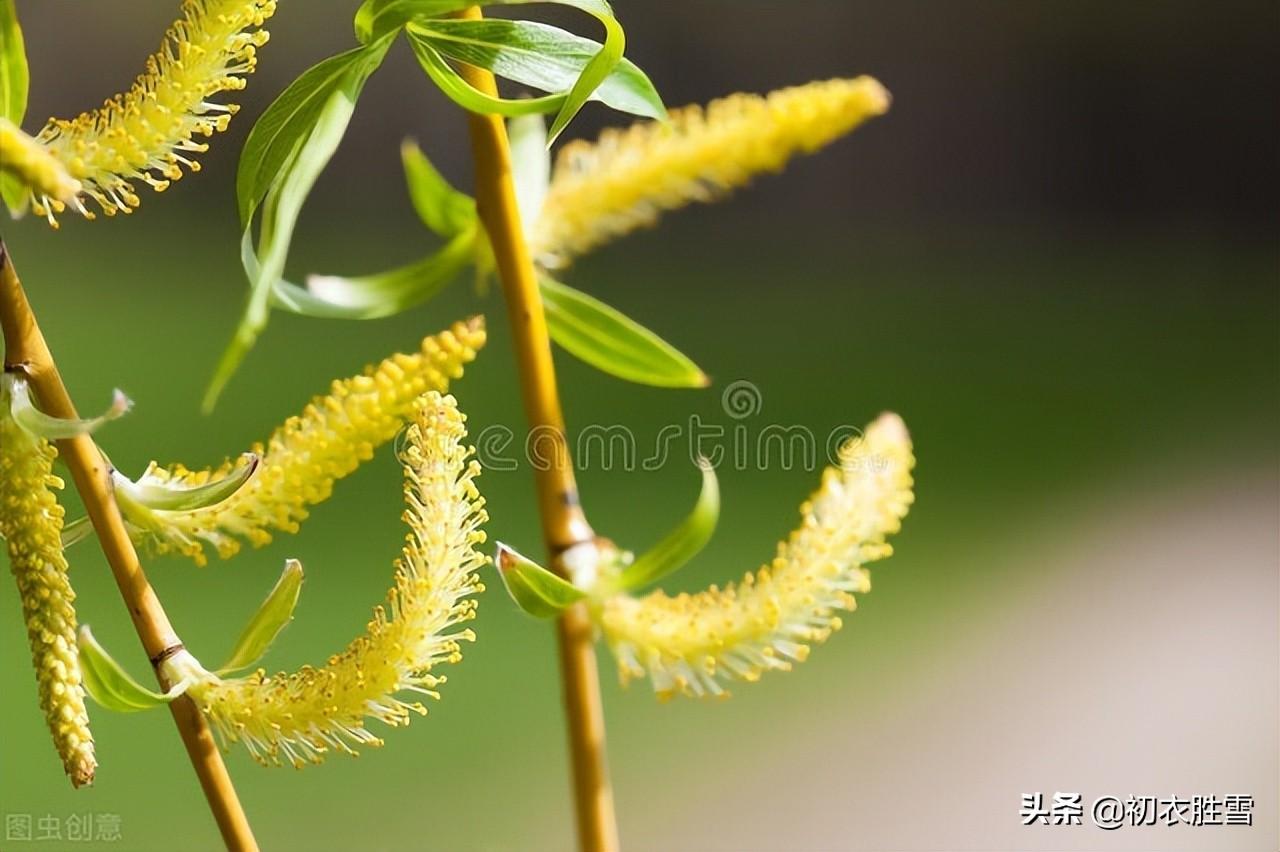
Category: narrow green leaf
[14,77]
[35,421]
[284,156]
[611,342]
[293,115]
[76,531]
[441,208]
[535,589]
[381,295]
[110,685]
[376,18]
[541,56]
[14,84]
[272,617]
[164,495]
[682,543]
[468,96]
[530,166]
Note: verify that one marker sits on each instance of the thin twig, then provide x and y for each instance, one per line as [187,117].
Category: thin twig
[564,525]
[26,351]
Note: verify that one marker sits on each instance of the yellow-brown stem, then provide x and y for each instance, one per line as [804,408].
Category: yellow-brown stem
[563,523]
[25,350]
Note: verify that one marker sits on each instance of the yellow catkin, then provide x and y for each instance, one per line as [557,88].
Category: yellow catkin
[298,717]
[299,464]
[28,161]
[31,524]
[629,177]
[691,643]
[149,133]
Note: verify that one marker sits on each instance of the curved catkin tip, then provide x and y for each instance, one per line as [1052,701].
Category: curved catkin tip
[151,133]
[694,644]
[31,525]
[629,177]
[299,717]
[298,465]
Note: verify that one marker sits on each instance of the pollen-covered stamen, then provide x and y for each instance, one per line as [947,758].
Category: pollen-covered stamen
[137,135]
[692,643]
[299,717]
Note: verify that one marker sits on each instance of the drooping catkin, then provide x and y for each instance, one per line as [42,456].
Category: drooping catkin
[629,177]
[299,464]
[298,717]
[149,134]
[692,643]
[31,525]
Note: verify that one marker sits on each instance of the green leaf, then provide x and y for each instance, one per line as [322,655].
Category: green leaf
[167,496]
[284,156]
[272,617]
[110,685]
[23,409]
[376,18]
[15,79]
[76,531]
[14,84]
[530,167]
[535,589]
[441,208]
[612,342]
[468,96]
[682,543]
[541,56]
[381,295]
[292,117]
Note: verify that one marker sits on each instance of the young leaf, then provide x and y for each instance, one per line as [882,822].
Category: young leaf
[541,56]
[168,496]
[381,295]
[535,589]
[272,617]
[612,342]
[14,82]
[468,96]
[110,685]
[284,156]
[530,166]
[682,543]
[35,421]
[293,115]
[376,18]
[443,209]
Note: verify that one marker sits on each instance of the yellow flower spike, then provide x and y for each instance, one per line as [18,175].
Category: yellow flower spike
[304,457]
[149,133]
[31,524]
[629,177]
[299,717]
[690,644]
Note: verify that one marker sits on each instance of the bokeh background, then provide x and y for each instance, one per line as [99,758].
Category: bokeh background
[1056,258]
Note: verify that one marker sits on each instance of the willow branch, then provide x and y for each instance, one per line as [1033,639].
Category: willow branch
[27,352]
[564,526]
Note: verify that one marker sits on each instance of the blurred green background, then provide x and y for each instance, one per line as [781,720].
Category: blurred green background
[1056,258]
